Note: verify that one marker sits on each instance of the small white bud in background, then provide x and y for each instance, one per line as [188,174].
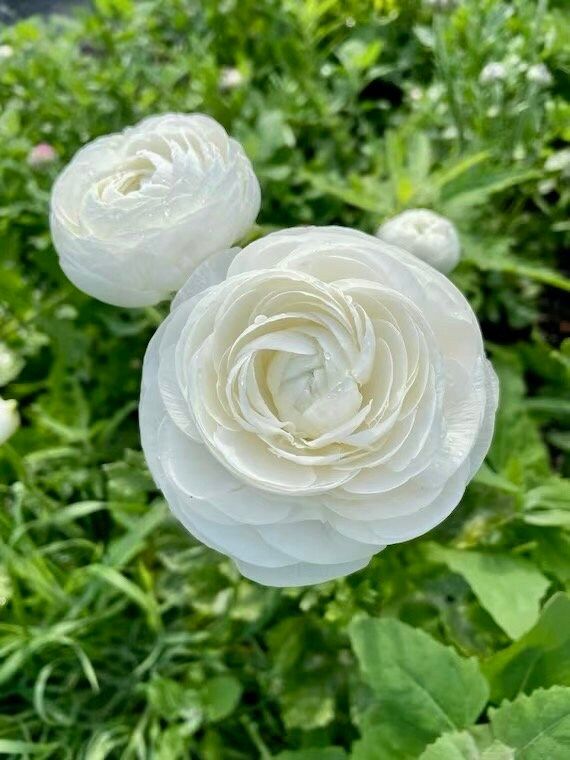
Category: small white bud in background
[539,74]
[230,78]
[425,234]
[443,6]
[9,419]
[41,155]
[559,162]
[546,186]
[493,72]
[6,51]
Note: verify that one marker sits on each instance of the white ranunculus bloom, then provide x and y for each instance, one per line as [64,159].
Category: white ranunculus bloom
[427,235]
[135,212]
[9,419]
[330,396]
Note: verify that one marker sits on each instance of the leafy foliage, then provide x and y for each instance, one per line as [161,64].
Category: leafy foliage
[122,638]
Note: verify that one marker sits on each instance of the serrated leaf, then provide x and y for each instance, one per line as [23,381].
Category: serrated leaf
[423,688]
[540,658]
[537,726]
[509,588]
[462,746]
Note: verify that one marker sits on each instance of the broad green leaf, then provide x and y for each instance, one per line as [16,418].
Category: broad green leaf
[536,726]
[221,696]
[540,658]
[462,746]
[423,688]
[509,588]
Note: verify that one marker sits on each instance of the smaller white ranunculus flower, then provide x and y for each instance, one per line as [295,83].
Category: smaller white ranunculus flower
[6,51]
[494,71]
[135,212]
[427,235]
[539,74]
[9,419]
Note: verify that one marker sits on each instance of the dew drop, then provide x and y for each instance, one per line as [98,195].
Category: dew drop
[260,319]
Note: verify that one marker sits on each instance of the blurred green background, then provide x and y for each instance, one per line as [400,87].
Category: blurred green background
[120,637]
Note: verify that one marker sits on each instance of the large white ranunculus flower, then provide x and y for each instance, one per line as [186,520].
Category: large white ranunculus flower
[429,236]
[135,212]
[9,419]
[327,398]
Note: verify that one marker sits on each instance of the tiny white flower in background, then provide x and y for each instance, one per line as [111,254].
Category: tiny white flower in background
[330,395]
[427,235]
[230,78]
[450,133]
[559,162]
[41,155]
[539,74]
[443,6]
[546,186]
[134,212]
[6,51]
[9,419]
[492,72]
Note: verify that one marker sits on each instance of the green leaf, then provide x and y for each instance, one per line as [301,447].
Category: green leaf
[221,696]
[174,701]
[462,746]
[509,588]
[540,658]
[314,753]
[548,504]
[537,726]
[15,747]
[422,687]
[308,706]
[125,586]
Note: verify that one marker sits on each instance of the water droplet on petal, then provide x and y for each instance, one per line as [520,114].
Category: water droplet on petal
[260,319]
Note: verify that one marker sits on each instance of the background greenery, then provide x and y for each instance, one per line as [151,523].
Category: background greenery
[119,636]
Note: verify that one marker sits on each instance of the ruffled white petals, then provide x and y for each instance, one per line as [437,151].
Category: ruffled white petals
[134,213]
[425,234]
[328,396]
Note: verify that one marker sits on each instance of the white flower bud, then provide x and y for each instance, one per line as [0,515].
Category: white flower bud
[135,212]
[539,74]
[9,419]
[230,78]
[493,72]
[559,162]
[427,235]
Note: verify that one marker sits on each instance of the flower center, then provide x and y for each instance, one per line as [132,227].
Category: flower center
[315,393]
